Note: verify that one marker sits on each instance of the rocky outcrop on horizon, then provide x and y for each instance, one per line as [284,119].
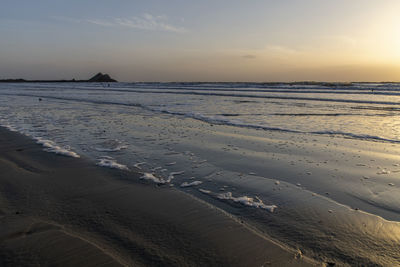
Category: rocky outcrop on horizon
[101,78]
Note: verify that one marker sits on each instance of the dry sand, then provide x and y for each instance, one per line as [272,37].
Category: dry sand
[61,211]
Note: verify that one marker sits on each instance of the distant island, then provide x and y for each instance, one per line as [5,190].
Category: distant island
[98,78]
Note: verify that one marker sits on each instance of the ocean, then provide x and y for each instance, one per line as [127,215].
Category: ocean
[315,166]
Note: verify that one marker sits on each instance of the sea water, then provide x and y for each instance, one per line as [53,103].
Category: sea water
[302,163]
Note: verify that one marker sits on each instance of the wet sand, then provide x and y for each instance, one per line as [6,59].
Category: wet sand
[62,211]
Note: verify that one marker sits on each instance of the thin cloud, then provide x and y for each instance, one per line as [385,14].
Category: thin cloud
[268,52]
[146,22]
[99,22]
[149,22]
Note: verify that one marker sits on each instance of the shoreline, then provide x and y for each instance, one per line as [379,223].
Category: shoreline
[63,211]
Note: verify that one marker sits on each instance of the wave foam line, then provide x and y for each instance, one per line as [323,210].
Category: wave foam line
[158,180]
[194,183]
[244,200]
[111,163]
[50,146]
[151,177]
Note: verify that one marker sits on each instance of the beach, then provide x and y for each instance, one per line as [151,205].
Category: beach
[245,174]
[64,211]
[200,133]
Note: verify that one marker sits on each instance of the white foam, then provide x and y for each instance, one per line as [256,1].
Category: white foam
[247,201]
[384,171]
[50,146]
[111,163]
[10,128]
[194,183]
[151,177]
[205,191]
[244,200]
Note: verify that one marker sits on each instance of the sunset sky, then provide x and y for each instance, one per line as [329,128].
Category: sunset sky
[208,40]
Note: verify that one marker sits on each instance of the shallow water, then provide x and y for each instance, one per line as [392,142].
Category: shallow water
[303,164]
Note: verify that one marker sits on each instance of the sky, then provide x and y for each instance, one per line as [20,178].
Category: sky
[204,40]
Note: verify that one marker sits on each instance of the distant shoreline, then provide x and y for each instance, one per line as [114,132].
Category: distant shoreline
[99,77]
[328,84]
[41,81]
